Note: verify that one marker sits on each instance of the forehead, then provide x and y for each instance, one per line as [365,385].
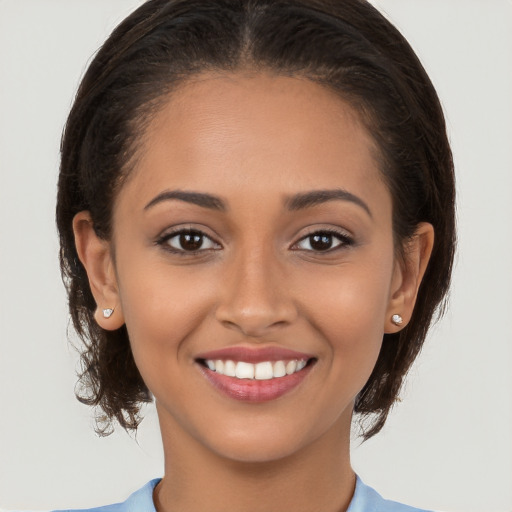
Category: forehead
[227,131]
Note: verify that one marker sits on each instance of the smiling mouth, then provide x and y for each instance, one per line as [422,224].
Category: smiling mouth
[257,382]
[255,375]
[264,370]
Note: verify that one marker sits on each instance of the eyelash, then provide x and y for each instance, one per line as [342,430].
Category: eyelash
[343,239]
[165,239]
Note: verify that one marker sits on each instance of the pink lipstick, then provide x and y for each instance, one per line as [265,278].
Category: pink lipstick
[255,375]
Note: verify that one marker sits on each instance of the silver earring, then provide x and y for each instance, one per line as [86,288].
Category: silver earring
[107,313]
[397,319]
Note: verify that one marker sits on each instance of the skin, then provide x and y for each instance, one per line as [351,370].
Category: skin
[254,141]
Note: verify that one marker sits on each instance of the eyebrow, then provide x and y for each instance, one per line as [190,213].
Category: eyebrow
[296,202]
[316,197]
[197,198]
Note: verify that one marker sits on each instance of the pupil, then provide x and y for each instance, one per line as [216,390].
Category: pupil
[321,242]
[191,241]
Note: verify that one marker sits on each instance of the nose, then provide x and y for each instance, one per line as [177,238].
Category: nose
[255,296]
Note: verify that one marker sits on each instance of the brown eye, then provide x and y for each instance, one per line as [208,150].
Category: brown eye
[323,241]
[190,241]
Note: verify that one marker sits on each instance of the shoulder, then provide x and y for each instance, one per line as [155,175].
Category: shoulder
[139,501]
[367,499]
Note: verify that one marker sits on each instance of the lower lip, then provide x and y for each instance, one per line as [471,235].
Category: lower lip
[253,390]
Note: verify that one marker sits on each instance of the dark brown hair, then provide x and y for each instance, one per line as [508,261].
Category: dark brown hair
[345,45]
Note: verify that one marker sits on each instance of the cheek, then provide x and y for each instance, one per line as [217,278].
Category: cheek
[349,309]
[162,306]
[352,300]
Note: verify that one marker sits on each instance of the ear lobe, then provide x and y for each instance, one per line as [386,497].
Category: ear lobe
[408,275]
[95,255]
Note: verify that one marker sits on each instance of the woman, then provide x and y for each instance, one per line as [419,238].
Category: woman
[256,215]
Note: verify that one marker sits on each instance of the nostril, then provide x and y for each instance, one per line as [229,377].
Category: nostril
[253,327]
[253,307]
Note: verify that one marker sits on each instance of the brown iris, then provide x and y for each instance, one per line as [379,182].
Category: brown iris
[321,242]
[191,241]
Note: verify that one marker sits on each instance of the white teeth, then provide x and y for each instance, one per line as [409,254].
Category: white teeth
[279,369]
[265,370]
[291,367]
[244,370]
[230,369]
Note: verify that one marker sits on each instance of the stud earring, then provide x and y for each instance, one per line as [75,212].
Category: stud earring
[397,319]
[107,313]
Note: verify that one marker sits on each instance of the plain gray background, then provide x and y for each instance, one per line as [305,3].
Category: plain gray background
[448,446]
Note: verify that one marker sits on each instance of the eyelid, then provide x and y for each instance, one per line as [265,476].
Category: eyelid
[163,240]
[346,240]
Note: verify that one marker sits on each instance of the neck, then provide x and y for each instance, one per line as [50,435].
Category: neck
[317,477]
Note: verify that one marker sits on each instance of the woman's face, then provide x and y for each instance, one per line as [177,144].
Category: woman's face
[255,229]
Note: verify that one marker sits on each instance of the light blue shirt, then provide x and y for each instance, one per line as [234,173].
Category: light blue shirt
[365,499]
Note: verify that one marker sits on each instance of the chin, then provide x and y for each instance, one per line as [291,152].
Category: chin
[264,450]
[266,440]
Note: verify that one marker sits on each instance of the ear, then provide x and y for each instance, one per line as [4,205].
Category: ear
[96,256]
[407,276]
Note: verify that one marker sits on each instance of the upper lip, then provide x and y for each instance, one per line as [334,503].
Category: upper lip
[253,355]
